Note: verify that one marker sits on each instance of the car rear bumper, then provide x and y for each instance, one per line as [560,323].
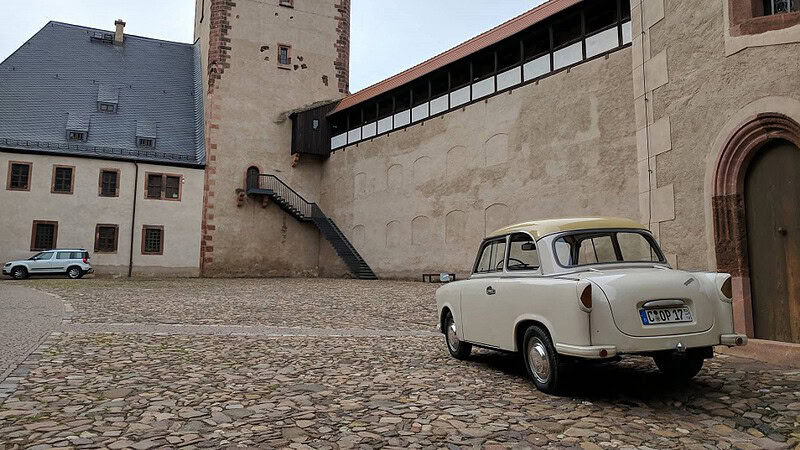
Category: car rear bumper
[652,344]
[587,351]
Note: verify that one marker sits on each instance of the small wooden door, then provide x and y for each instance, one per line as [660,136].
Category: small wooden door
[772,202]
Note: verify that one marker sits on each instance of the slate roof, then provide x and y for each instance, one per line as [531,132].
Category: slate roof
[58,77]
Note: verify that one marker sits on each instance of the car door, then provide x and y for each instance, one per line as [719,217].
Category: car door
[41,262]
[480,293]
[61,261]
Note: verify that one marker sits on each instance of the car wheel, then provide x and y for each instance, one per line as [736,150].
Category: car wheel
[679,366]
[541,360]
[458,348]
[19,273]
[74,272]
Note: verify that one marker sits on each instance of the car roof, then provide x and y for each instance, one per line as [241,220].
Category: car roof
[540,228]
[64,250]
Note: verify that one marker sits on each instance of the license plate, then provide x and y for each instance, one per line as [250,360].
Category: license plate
[665,315]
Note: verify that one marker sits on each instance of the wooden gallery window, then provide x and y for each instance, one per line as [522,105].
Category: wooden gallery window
[153,240]
[105,238]
[63,179]
[163,187]
[109,183]
[44,235]
[19,176]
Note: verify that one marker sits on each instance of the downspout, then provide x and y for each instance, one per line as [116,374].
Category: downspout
[133,218]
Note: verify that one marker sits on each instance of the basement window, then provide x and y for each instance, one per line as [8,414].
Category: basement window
[287,3]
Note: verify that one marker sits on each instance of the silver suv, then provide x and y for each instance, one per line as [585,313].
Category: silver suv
[71,261]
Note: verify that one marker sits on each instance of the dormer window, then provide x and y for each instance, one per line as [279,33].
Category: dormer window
[77,127]
[76,135]
[287,3]
[146,142]
[146,134]
[107,107]
[107,98]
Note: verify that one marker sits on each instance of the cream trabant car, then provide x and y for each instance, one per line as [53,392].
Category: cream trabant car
[585,288]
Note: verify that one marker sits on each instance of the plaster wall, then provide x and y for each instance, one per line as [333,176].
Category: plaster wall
[421,199]
[79,213]
[705,91]
[247,104]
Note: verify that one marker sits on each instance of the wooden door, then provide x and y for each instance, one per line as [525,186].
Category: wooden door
[772,202]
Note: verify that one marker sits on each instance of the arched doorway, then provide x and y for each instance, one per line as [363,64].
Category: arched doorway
[754,202]
[772,207]
[251,178]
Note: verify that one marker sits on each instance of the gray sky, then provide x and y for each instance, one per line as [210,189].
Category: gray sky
[387,36]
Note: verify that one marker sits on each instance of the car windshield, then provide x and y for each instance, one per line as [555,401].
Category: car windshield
[605,247]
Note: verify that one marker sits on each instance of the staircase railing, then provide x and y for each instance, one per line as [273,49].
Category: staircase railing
[274,184]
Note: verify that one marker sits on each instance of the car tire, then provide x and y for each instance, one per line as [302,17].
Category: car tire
[74,272]
[458,349]
[19,273]
[679,366]
[544,365]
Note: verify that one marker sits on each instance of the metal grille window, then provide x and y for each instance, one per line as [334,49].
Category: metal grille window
[105,240]
[19,176]
[153,240]
[44,235]
[780,6]
[62,180]
[109,183]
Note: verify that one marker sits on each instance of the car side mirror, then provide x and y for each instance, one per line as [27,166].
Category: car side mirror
[528,247]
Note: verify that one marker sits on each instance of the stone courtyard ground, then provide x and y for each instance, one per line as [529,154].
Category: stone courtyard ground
[335,364]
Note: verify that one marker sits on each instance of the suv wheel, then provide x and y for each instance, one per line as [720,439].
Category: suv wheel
[19,273]
[74,272]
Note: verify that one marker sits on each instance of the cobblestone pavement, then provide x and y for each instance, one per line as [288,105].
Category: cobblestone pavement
[26,317]
[320,303]
[266,386]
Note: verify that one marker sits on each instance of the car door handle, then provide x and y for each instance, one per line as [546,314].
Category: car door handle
[490,291]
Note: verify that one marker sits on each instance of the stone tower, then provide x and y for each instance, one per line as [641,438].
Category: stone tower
[262,59]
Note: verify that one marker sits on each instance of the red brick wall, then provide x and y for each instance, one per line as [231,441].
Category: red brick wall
[342,44]
[219,47]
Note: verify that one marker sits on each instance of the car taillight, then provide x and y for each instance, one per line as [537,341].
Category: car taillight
[85,260]
[586,297]
[727,288]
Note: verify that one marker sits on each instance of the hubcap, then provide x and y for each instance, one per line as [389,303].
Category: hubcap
[73,273]
[452,338]
[18,273]
[538,360]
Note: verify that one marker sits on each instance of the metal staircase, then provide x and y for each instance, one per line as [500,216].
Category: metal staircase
[305,211]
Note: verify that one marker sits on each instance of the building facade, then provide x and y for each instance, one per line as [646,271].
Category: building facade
[101,148]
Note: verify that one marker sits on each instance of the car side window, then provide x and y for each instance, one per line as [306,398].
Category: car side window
[63,255]
[486,259]
[522,253]
[44,257]
[492,255]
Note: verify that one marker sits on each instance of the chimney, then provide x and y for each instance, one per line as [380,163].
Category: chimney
[119,35]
